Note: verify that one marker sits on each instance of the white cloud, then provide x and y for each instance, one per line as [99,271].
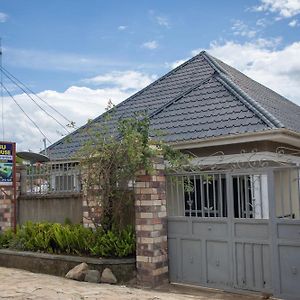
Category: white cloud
[284,8]
[277,69]
[241,29]
[262,22]
[77,103]
[262,61]
[163,21]
[159,19]
[176,63]
[122,27]
[124,80]
[3,17]
[294,23]
[150,45]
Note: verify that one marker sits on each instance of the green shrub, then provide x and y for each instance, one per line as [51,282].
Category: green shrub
[70,239]
[5,238]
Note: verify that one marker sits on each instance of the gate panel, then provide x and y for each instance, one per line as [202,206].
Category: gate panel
[198,230]
[221,231]
[191,261]
[253,268]
[173,258]
[199,256]
[251,232]
[287,231]
[218,263]
[289,256]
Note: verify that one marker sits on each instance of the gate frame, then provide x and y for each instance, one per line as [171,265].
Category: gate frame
[273,222]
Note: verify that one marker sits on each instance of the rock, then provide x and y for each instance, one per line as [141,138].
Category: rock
[92,276]
[108,276]
[78,272]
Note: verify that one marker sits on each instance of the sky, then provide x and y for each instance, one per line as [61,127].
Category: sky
[78,55]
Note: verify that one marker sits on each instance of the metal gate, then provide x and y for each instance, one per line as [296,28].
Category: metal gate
[236,230]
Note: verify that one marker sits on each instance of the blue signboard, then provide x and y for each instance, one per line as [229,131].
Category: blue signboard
[6,163]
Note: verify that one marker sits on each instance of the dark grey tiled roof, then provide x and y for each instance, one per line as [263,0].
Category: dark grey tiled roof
[208,111]
[285,111]
[202,98]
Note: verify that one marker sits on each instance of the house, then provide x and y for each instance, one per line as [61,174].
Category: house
[238,225]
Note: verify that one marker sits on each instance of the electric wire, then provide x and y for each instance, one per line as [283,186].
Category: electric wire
[32,121]
[48,114]
[2,100]
[32,92]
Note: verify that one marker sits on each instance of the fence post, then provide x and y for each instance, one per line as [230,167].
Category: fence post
[151,226]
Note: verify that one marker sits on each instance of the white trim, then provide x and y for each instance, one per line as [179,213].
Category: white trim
[246,157]
[276,135]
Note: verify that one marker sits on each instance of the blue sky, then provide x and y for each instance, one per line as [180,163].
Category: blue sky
[79,54]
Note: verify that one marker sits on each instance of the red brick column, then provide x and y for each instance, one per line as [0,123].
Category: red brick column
[151,226]
[7,202]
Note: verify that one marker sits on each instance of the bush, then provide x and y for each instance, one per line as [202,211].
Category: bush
[70,239]
[113,243]
[5,238]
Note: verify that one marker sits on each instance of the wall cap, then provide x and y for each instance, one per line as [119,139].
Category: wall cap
[79,259]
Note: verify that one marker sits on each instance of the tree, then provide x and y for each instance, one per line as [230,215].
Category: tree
[110,161]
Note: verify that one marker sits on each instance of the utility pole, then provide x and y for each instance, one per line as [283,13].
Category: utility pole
[45,146]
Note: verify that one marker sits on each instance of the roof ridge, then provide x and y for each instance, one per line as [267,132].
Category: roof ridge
[155,82]
[224,78]
[130,97]
[184,93]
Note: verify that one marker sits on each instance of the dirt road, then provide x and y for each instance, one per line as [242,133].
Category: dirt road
[19,284]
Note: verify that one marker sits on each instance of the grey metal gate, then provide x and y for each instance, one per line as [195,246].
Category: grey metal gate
[224,232]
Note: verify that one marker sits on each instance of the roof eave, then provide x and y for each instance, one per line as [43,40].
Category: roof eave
[281,135]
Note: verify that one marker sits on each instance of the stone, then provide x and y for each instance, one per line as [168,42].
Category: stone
[92,276]
[108,276]
[78,272]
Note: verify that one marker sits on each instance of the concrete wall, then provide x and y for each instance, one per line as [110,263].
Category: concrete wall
[52,208]
[58,265]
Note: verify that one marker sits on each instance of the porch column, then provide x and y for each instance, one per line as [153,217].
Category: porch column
[151,226]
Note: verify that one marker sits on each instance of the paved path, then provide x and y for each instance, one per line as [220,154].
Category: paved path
[20,284]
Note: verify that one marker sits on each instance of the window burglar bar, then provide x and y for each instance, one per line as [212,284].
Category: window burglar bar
[53,178]
[197,195]
[205,195]
[250,196]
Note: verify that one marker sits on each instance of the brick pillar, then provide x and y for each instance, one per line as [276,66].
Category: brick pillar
[90,212]
[151,226]
[7,202]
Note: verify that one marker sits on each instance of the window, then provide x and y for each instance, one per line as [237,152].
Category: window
[250,196]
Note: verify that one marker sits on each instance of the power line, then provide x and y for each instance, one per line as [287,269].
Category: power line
[48,114]
[32,121]
[32,92]
[2,100]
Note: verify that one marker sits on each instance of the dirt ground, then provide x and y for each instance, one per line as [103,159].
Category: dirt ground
[20,284]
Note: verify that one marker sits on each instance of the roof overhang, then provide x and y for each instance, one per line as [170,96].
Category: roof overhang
[280,135]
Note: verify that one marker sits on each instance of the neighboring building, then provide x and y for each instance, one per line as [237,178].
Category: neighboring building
[237,226]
